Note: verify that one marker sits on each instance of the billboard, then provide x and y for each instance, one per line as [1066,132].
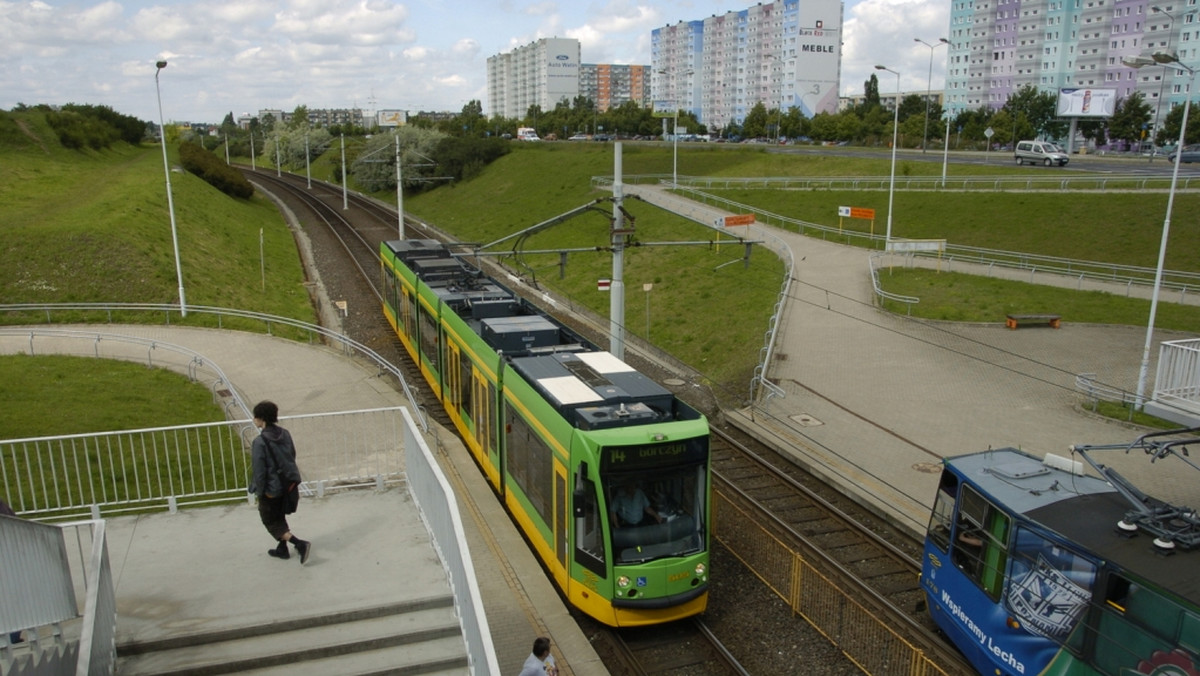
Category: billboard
[1086,102]
[391,118]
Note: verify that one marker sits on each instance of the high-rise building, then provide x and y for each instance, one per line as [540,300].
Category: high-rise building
[610,85]
[997,47]
[785,54]
[541,73]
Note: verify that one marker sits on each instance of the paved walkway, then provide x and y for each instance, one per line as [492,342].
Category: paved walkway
[875,400]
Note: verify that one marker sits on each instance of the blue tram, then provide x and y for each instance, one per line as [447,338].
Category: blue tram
[1032,567]
[561,429]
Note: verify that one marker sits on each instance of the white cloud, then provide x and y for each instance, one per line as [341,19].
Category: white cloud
[243,55]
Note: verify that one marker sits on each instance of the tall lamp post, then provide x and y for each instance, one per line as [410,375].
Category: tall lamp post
[162,141]
[928,87]
[1163,82]
[1169,60]
[887,242]
[674,128]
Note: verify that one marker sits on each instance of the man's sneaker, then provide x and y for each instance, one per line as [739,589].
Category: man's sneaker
[280,552]
[303,548]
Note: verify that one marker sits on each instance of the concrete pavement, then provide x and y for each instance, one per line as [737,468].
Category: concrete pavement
[874,400]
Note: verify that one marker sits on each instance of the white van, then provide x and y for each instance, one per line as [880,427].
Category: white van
[1040,152]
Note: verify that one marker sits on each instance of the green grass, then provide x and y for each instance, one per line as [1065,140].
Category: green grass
[952,296]
[60,393]
[706,307]
[57,395]
[94,227]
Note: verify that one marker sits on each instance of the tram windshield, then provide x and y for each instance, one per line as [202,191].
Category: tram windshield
[656,514]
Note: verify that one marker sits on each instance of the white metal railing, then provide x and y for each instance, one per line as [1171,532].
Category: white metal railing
[85,312]
[1177,381]
[1059,181]
[439,510]
[41,574]
[81,475]
[339,450]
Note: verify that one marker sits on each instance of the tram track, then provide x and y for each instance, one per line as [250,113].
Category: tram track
[860,551]
[658,651]
[875,564]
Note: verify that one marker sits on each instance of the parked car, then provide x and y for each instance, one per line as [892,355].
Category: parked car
[1040,152]
[1189,154]
[580,137]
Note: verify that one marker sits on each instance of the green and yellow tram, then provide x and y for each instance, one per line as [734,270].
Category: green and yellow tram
[604,470]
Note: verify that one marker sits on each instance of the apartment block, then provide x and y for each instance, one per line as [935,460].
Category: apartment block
[541,73]
[783,54]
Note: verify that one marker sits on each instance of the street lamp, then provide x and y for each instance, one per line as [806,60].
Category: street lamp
[1170,60]
[929,86]
[674,129]
[887,242]
[162,140]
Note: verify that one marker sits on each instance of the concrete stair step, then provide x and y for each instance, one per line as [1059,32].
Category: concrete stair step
[429,636]
[440,657]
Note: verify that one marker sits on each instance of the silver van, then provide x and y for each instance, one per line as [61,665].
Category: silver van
[1040,152]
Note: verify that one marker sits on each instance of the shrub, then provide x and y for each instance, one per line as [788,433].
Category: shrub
[214,171]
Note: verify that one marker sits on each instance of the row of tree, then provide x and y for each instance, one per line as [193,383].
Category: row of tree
[1028,113]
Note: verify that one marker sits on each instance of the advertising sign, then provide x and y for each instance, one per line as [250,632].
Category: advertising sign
[1086,102]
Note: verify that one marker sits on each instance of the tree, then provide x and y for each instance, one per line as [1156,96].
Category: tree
[1130,119]
[871,91]
[1038,109]
[299,119]
[755,123]
[1172,120]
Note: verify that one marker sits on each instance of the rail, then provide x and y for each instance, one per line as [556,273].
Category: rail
[860,632]
[114,473]
[1060,181]
[26,314]
[41,574]
[1126,276]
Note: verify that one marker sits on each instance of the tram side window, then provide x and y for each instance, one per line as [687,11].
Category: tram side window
[1147,608]
[941,521]
[981,541]
[406,312]
[589,529]
[1051,586]
[429,337]
[530,462]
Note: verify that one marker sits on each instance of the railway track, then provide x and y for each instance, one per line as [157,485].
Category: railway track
[658,651]
[859,551]
[877,565]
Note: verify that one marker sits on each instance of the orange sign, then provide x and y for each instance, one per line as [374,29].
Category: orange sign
[859,212]
[740,219]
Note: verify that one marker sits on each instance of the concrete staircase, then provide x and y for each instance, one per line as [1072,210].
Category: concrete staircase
[419,636]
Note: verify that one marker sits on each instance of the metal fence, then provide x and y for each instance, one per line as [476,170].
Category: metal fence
[866,639]
[1060,181]
[42,574]
[437,503]
[110,473]
[29,315]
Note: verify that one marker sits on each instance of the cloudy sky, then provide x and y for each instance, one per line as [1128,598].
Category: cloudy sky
[240,56]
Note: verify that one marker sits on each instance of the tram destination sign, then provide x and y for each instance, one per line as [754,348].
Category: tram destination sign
[649,456]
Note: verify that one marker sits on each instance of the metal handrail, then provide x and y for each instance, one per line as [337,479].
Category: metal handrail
[349,345]
[1057,182]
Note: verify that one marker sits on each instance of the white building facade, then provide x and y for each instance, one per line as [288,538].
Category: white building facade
[997,47]
[541,73]
[784,54]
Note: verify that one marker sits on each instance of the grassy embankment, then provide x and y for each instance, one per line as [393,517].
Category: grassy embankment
[99,222]
[93,226]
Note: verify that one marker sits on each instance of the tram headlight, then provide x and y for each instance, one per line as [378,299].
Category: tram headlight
[701,569]
[623,582]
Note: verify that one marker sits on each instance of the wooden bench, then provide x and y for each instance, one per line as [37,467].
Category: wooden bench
[1014,321]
